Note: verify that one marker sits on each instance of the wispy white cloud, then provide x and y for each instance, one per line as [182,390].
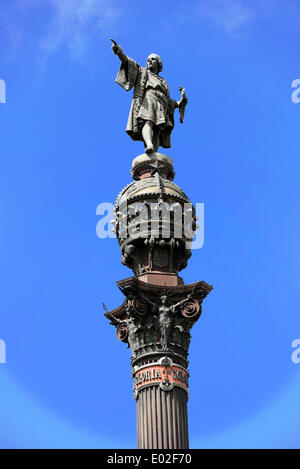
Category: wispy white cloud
[230,15]
[76,23]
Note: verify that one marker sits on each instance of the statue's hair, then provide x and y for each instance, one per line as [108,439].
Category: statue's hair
[159,61]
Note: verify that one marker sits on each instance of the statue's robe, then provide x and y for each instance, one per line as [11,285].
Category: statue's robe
[151,101]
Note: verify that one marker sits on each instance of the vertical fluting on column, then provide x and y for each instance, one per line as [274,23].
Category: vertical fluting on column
[162,418]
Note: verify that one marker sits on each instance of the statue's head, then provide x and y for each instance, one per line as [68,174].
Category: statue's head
[164,299]
[154,63]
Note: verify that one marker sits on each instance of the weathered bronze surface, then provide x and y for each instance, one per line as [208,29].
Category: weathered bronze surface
[151,117]
[155,223]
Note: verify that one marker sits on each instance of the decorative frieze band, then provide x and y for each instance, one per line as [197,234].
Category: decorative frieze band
[163,373]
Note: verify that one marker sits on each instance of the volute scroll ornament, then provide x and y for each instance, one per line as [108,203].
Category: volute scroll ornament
[191,309]
[122,333]
[140,307]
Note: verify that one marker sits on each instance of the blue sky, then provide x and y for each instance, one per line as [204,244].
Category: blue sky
[64,150]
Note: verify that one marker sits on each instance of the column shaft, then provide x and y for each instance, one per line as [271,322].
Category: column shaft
[162,418]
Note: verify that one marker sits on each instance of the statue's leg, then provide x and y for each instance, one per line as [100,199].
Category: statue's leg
[164,338]
[147,133]
[156,133]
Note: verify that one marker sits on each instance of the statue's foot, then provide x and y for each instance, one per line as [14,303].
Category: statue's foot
[149,149]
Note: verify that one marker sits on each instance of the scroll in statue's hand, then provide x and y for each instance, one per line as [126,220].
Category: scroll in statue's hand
[182,103]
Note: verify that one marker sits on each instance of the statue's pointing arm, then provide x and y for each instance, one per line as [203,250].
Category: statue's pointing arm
[128,71]
[117,50]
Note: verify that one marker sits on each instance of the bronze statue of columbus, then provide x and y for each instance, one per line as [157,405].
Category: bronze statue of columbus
[151,116]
